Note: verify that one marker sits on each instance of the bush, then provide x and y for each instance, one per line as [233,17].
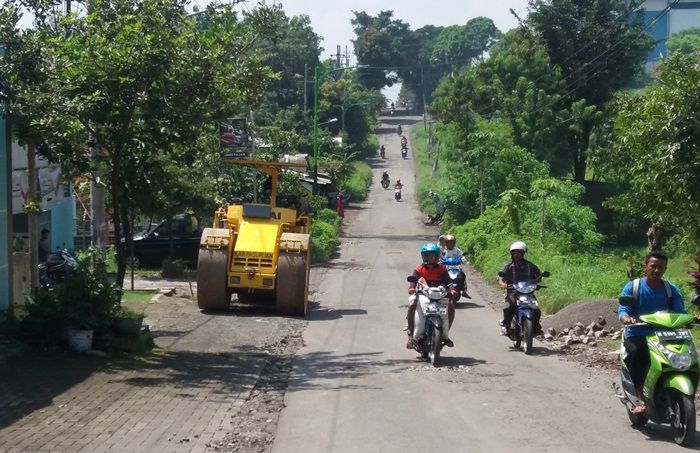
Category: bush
[324,240]
[358,183]
[85,299]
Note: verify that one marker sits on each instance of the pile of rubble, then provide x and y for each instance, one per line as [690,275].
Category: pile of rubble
[580,334]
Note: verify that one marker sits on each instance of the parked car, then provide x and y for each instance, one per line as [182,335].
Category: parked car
[153,246]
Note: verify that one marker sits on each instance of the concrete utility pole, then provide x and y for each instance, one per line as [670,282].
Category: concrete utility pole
[32,218]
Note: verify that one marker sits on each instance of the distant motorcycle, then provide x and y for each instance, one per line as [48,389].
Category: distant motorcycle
[56,267]
[431,321]
[397,193]
[522,326]
[404,152]
[386,182]
[399,130]
[382,152]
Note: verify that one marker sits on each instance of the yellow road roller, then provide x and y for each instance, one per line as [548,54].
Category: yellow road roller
[258,251]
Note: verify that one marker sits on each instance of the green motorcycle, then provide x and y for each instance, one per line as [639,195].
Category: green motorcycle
[672,377]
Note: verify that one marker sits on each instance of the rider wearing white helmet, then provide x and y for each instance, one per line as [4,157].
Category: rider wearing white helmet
[518,269]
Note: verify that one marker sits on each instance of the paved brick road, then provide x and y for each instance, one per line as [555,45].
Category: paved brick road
[181,399]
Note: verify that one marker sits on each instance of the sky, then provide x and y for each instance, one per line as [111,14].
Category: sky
[331,19]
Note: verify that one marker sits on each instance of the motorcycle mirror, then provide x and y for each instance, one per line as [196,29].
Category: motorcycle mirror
[412,279]
[627,301]
[546,274]
[695,300]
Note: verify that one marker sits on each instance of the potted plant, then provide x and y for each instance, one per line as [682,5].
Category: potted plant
[128,322]
[83,302]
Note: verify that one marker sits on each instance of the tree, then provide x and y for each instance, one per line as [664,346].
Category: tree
[383,43]
[599,47]
[657,152]
[458,45]
[685,41]
[136,82]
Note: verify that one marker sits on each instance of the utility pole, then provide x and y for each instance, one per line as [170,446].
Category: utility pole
[32,218]
[306,89]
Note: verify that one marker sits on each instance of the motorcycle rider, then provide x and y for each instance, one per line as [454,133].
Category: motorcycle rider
[385,175]
[653,294]
[399,130]
[435,274]
[450,250]
[518,269]
[382,150]
[398,184]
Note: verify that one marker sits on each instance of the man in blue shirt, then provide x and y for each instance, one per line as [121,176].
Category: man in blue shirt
[653,294]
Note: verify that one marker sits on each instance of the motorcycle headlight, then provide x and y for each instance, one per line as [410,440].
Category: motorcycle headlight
[678,360]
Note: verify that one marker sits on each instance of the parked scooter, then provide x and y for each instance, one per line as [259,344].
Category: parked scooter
[431,323]
[670,382]
[522,326]
[457,276]
[57,265]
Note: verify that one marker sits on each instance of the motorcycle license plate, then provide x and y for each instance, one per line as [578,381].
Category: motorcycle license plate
[436,309]
[671,335]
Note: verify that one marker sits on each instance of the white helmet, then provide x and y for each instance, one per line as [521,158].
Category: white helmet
[518,245]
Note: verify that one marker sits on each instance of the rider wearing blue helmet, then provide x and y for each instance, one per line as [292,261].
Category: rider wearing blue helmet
[435,274]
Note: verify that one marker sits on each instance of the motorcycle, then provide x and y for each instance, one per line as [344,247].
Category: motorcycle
[397,193]
[522,326]
[57,265]
[670,381]
[431,323]
[457,276]
[399,130]
[382,152]
[404,152]
[385,183]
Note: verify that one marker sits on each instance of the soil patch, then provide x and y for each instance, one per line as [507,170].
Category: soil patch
[585,312]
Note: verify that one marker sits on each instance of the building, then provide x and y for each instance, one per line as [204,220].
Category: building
[664,18]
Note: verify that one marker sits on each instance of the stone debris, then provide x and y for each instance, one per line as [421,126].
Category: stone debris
[578,334]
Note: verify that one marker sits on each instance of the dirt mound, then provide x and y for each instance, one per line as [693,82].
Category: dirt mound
[585,312]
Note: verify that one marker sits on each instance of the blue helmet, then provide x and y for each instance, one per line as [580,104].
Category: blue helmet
[430,253]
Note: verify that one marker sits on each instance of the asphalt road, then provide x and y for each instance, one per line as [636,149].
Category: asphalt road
[355,388]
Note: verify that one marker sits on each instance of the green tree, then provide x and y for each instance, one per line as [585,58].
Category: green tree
[136,81]
[383,43]
[657,152]
[685,41]
[599,47]
[458,45]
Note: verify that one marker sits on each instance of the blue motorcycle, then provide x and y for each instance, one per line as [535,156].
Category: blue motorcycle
[457,276]
[522,326]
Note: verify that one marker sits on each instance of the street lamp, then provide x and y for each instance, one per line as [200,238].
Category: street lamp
[319,73]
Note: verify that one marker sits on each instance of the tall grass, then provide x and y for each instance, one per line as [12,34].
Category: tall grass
[358,183]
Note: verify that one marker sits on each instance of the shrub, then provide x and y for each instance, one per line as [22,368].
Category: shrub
[324,240]
[357,184]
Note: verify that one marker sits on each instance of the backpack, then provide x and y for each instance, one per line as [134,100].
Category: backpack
[669,294]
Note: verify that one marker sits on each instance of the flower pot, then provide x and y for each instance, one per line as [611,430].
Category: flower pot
[80,340]
[128,325]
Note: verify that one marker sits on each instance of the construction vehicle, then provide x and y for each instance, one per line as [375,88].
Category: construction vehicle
[258,251]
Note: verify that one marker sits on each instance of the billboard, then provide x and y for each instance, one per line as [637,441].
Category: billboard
[234,138]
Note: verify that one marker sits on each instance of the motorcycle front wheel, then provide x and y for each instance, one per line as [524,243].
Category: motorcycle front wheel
[527,336]
[516,337]
[682,417]
[435,344]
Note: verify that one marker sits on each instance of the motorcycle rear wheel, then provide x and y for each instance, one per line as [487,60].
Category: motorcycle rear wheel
[682,417]
[527,336]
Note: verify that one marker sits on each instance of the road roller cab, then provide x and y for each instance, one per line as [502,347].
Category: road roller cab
[257,251]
